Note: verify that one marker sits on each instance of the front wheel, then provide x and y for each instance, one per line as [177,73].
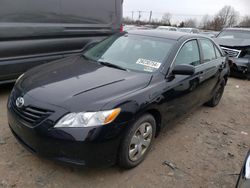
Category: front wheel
[217,96]
[248,76]
[137,142]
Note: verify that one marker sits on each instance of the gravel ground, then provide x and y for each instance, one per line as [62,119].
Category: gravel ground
[206,149]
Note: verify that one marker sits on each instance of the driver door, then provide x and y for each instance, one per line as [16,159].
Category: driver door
[181,93]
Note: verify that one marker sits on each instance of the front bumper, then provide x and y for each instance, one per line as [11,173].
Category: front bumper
[96,146]
[240,67]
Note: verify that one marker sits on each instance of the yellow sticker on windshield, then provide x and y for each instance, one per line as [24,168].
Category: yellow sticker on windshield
[148,63]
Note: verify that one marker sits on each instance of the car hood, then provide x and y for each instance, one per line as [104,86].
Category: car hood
[77,84]
[233,42]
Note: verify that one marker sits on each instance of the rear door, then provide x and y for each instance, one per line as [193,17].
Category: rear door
[210,68]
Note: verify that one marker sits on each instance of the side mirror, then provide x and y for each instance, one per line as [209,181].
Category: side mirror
[183,70]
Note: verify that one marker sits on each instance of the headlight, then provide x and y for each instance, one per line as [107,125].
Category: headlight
[88,119]
[247,168]
[19,78]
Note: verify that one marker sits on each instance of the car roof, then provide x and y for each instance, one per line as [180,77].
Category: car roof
[236,29]
[163,34]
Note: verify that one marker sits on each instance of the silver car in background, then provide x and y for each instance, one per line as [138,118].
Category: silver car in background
[167,28]
[189,30]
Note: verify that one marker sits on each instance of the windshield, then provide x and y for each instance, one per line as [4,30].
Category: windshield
[132,52]
[234,35]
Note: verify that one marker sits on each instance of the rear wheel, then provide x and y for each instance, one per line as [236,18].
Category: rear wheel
[137,142]
[217,96]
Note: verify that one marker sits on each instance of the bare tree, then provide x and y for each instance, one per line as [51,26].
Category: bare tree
[245,22]
[227,16]
[215,24]
[190,23]
[127,20]
[205,21]
[166,19]
[182,24]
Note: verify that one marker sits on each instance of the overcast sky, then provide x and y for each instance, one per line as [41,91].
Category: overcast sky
[182,9]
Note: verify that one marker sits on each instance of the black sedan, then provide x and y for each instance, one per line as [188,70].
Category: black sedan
[107,105]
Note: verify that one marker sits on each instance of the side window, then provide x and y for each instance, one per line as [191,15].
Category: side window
[218,54]
[189,54]
[208,51]
[195,31]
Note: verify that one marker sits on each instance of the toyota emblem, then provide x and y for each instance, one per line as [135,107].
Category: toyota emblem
[19,102]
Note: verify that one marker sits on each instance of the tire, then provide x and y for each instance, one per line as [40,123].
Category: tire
[217,96]
[129,155]
[248,76]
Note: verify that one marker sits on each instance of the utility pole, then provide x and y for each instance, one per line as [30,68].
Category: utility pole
[150,16]
[132,15]
[139,15]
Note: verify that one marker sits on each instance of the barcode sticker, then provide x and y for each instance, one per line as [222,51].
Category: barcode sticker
[148,63]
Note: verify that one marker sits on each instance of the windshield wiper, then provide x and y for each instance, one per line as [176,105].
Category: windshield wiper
[111,65]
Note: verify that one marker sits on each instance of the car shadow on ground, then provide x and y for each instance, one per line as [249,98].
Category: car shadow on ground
[6,89]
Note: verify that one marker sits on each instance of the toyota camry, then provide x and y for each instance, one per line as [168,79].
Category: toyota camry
[107,105]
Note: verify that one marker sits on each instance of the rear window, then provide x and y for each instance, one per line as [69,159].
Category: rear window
[208,50]
[185,30]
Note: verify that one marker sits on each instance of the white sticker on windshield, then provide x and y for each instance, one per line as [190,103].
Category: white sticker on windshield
[148,63]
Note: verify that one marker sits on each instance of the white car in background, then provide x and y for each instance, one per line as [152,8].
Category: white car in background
[134,27]
[129,27]
[167,28]
[189,30]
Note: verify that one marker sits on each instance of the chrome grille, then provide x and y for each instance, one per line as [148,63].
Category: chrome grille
[231,52]
[30,115]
